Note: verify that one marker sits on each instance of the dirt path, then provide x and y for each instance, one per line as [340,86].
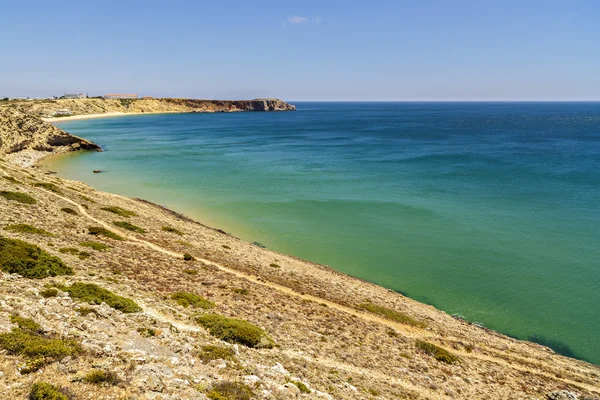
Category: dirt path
[408,331]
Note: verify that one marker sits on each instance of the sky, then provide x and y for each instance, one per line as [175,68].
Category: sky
[303,50]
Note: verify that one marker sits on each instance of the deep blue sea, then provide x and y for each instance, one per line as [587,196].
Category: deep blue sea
[486,210]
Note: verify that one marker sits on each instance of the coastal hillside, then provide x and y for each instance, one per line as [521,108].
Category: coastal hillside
[25,138]
[104,296]
[49,108]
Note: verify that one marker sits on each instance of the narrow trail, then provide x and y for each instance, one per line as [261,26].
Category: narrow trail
[408,331]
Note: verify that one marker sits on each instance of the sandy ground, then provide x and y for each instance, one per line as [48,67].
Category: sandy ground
[104,115]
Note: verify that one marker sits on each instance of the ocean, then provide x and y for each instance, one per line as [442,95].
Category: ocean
[490,211]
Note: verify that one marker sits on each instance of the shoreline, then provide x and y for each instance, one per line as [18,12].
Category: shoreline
[104,115]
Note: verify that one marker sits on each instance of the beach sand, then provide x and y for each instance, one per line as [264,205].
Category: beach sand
[104,115]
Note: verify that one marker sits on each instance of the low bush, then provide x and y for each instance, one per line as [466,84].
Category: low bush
[49,292]
[87,199]
[48,186]
[100,376]
[228,390]
[210,352]
[188,257]
[187,299]
[24,228]
[38,349]
[300,385]
[95,245]
[94,294]
[100,231]
[391,314]
[69,210]
[273,265]
[11,179]
[73,251]
[29,261]
[119,211]
[190,271]
[437,352]
[235,330]
[17,196]
[146,332]
[241,291]
[129,226]
[46,391]
[172,230]
[26,324]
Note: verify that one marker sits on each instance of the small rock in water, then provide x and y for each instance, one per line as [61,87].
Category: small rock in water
[98,171]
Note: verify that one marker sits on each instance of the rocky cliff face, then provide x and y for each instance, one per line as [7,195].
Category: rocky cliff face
[102,106]
[20,131]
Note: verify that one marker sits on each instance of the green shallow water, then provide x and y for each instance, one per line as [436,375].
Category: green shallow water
[487,210]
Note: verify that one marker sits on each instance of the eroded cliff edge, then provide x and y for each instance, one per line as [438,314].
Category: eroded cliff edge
[25,138]
[49,108]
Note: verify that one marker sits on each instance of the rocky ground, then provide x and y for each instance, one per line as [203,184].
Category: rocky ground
[319,334]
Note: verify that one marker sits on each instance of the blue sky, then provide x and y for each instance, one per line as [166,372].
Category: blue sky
[308,50]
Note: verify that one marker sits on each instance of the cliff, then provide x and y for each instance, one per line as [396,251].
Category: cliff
[47,108]
[27,138]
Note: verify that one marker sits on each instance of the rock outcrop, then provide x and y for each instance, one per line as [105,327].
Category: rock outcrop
[20,131]
[48,108]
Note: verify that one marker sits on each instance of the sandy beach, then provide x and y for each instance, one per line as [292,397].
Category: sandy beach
[103,115]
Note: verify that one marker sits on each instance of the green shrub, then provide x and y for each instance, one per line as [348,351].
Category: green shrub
[17,196]
[119,211]
[49,292]
[95,245]
[240,291]
[188,257]
[73,251]
[45,391]
[29,261]
[228,390]
[24,228]
[84,311]
[190,271]
[26,324]
[38,349]
[172,230]
[146,332]
[11,179]
[235,330]
[273,265]
[437,352]
[94,294]
[187,299]
[210,352]
[69,210]
[129,226]
[48,186]
[300,385]
[100,231]
[391,314]
[100,376]
[87,199]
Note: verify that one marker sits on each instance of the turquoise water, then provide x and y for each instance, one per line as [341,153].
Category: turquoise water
[487,210]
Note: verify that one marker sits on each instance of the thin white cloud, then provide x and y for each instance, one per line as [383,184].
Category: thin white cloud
[295,20]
